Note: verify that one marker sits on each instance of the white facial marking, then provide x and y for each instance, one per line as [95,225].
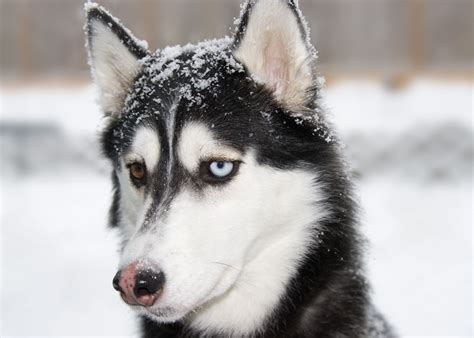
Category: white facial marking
[275,53]
[197,142]
[145,147]
[229,253]
[131,203]
[269,223]
[113,67]
[146,144]
[170,123]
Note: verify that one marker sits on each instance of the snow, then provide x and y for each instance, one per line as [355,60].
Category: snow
[195,70]
[73,110]
[88,6]
[370,107]
[58,258]
[420,256]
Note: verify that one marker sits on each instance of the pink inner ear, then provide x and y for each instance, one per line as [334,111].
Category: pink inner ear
[276,67]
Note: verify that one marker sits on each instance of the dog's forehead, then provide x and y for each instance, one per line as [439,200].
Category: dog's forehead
[190,72]
[178,79]
[204,83]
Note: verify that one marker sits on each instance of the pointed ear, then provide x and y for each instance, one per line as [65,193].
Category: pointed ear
[272,42]
[114,55]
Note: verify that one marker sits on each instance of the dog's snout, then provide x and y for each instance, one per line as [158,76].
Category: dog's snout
[148,282]
[139,283]
[116,281]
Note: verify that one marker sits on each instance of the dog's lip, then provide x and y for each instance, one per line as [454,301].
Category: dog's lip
[154,310]
[162,314]
[133,301]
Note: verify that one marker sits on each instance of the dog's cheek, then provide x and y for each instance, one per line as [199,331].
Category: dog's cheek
[131,205]
[201,247]
[209,228]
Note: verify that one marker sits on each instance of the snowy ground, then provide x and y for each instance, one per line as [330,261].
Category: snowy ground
[412,153]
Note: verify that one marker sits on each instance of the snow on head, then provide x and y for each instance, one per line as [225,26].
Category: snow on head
[88,6]
[198,68]
[195,75]
[187,74]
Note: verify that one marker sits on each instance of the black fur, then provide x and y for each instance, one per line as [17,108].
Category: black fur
[329,296]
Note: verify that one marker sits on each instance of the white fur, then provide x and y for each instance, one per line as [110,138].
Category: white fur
[113,66]
[228,252]
[197,143]
[275,53]
[145,147]
[131,202]
[146,144]
[170,124]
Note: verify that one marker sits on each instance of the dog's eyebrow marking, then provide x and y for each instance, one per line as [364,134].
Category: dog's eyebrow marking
[146,144]
[197,142]
[164,192]
[170,128]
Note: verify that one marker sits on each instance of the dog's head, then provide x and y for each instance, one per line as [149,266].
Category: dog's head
[219,157]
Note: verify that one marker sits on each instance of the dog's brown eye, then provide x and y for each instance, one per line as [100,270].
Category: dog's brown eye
[137,171]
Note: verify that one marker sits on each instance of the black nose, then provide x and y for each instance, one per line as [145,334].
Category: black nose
[116,281]
[148,282]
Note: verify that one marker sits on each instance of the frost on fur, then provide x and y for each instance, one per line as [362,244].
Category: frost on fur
[114,55]
[272,40]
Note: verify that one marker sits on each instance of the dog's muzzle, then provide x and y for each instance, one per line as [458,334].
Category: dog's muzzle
[139,283]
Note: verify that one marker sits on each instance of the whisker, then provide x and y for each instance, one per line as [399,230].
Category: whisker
[225,264]
[240,280]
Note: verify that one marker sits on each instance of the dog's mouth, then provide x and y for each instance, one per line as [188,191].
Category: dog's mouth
[162,315]
[134,301]
[155,312]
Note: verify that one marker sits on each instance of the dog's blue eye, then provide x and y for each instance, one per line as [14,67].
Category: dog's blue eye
[221,168]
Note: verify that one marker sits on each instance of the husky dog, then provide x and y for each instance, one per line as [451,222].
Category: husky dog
[235,209]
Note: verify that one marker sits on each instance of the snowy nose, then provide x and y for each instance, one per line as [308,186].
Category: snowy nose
[139,283]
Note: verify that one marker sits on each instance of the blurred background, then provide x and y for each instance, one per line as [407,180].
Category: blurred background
[399,89]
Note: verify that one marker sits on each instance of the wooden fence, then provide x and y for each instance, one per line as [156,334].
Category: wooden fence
[44,38]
